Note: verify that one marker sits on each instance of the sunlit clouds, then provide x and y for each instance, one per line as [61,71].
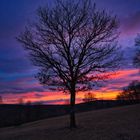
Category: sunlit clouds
[108,90]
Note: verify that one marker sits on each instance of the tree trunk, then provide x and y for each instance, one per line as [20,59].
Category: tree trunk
[72,110]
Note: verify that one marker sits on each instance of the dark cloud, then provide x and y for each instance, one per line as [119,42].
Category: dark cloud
[24,84]
[121,8]
[15,90]
[131,24]
[39,95]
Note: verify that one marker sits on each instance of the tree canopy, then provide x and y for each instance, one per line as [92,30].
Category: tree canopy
[131,92]
[72,43]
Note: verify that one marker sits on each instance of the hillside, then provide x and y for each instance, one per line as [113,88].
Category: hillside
[13,115]
[120,123]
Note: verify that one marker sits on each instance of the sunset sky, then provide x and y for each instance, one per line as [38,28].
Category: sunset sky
[17,73]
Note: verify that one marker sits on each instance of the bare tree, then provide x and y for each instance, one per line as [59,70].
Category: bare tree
[1,100]
[28,102]
[131,92]
[72,43]
[136,60]
[21,101]
[89,97]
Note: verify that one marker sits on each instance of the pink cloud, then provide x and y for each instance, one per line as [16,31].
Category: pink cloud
[109,91]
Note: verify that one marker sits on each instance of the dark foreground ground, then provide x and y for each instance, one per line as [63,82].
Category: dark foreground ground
[120,123]
[15,115]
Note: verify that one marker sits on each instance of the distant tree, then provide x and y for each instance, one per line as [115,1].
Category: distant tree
[72,42]
[67,102]
[20,101]
[136,60]
[28,102]
[89,97]
[28,110]
[131,92]
[1,100]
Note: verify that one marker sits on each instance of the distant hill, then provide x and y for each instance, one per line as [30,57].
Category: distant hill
[120,123]
[18,114]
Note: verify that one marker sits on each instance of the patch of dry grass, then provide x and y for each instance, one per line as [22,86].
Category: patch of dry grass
[121,123]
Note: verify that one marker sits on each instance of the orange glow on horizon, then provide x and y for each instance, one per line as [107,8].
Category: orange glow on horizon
[106,92]
[57,97]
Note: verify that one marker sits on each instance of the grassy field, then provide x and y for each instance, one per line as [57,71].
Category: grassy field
[120,123]
[13,115]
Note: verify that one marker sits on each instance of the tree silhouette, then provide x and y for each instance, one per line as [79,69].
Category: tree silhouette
[136,60]
[131,92]
[28,102]
[21,101]
[72,43]
[89,97]
[1,100]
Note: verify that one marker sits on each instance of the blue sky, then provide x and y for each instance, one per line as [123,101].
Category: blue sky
[14,63]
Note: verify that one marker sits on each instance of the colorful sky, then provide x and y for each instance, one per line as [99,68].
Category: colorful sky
[17,73]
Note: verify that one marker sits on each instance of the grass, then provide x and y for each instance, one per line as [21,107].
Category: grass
[120,123]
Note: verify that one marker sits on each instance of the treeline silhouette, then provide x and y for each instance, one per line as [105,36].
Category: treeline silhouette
[88,97]
[131,92]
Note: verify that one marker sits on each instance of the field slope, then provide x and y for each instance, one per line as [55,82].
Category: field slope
[120,123]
